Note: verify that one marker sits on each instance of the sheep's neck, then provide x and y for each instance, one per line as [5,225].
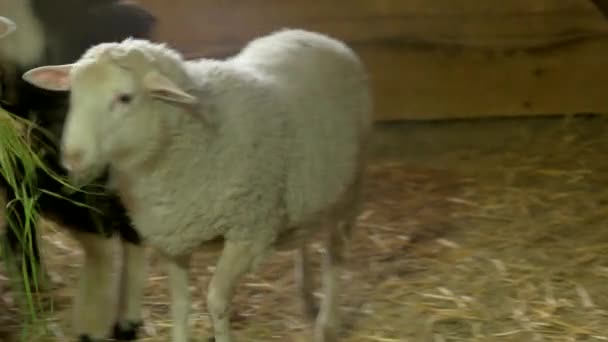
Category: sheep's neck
[162,159]
[123,187]
[129,167]
[146,159]
[125,171]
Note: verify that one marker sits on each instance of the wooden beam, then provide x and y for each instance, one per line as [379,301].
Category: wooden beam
[602,6]
[193,25]
[413,81]
[449,84]
[429,59]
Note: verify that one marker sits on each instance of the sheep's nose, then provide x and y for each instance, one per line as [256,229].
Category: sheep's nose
[72,159]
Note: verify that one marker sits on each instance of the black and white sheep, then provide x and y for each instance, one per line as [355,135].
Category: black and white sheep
[60,32]
[257,150]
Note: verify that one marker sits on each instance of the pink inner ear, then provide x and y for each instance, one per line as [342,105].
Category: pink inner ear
[172,94]
[51,78]
[164,92]
[161,92]
[6,26]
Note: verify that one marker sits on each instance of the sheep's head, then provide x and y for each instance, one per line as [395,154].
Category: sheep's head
[117,98]
[7,26]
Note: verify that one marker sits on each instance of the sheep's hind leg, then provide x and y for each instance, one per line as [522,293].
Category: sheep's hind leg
[328,320]
[133,276]
[236,260]
[180,298]
[305,280]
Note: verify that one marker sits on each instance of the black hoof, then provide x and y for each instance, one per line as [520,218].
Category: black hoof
[85,338]
[126,331]
[211,339]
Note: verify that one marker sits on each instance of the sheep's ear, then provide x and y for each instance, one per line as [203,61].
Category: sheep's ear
[163,88]
[50,77]
[7,26]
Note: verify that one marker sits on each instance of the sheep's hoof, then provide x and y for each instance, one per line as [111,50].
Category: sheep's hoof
[127,330]
[310,311]
[87,338]
[211,339]
[325,333]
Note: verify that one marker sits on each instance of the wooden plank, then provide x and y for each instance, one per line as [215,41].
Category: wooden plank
[418,82]
[429,59]
[602,6]
[194,24]
[449,84]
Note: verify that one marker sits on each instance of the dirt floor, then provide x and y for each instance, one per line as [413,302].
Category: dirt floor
[490,230]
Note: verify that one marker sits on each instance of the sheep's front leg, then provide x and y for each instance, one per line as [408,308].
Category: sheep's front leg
[305,281]
[96,302]
[180,297]
[133,276]
[236,260]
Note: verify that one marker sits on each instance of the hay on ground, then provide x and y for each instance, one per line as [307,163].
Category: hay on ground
[472,231]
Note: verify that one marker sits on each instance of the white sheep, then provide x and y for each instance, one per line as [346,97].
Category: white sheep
[257,150]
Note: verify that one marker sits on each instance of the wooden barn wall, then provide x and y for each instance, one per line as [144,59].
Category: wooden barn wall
[429,59]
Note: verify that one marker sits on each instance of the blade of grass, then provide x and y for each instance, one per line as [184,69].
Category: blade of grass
[20,159]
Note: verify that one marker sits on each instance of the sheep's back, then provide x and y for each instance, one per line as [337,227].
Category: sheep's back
[324,88]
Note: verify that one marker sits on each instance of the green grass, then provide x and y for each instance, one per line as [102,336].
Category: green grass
[18,165]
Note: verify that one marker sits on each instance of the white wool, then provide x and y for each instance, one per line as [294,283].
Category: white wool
[275,142]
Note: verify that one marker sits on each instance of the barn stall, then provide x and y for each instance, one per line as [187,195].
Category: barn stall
[484,209]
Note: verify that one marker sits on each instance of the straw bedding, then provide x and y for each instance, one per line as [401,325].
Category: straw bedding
[490,230]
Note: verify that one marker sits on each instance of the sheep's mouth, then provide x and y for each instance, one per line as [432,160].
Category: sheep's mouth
[96,174]
[104,176]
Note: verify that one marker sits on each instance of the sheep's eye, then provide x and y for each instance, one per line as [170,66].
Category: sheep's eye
[125,98]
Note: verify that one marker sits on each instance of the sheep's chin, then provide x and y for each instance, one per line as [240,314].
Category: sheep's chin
[87,176]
